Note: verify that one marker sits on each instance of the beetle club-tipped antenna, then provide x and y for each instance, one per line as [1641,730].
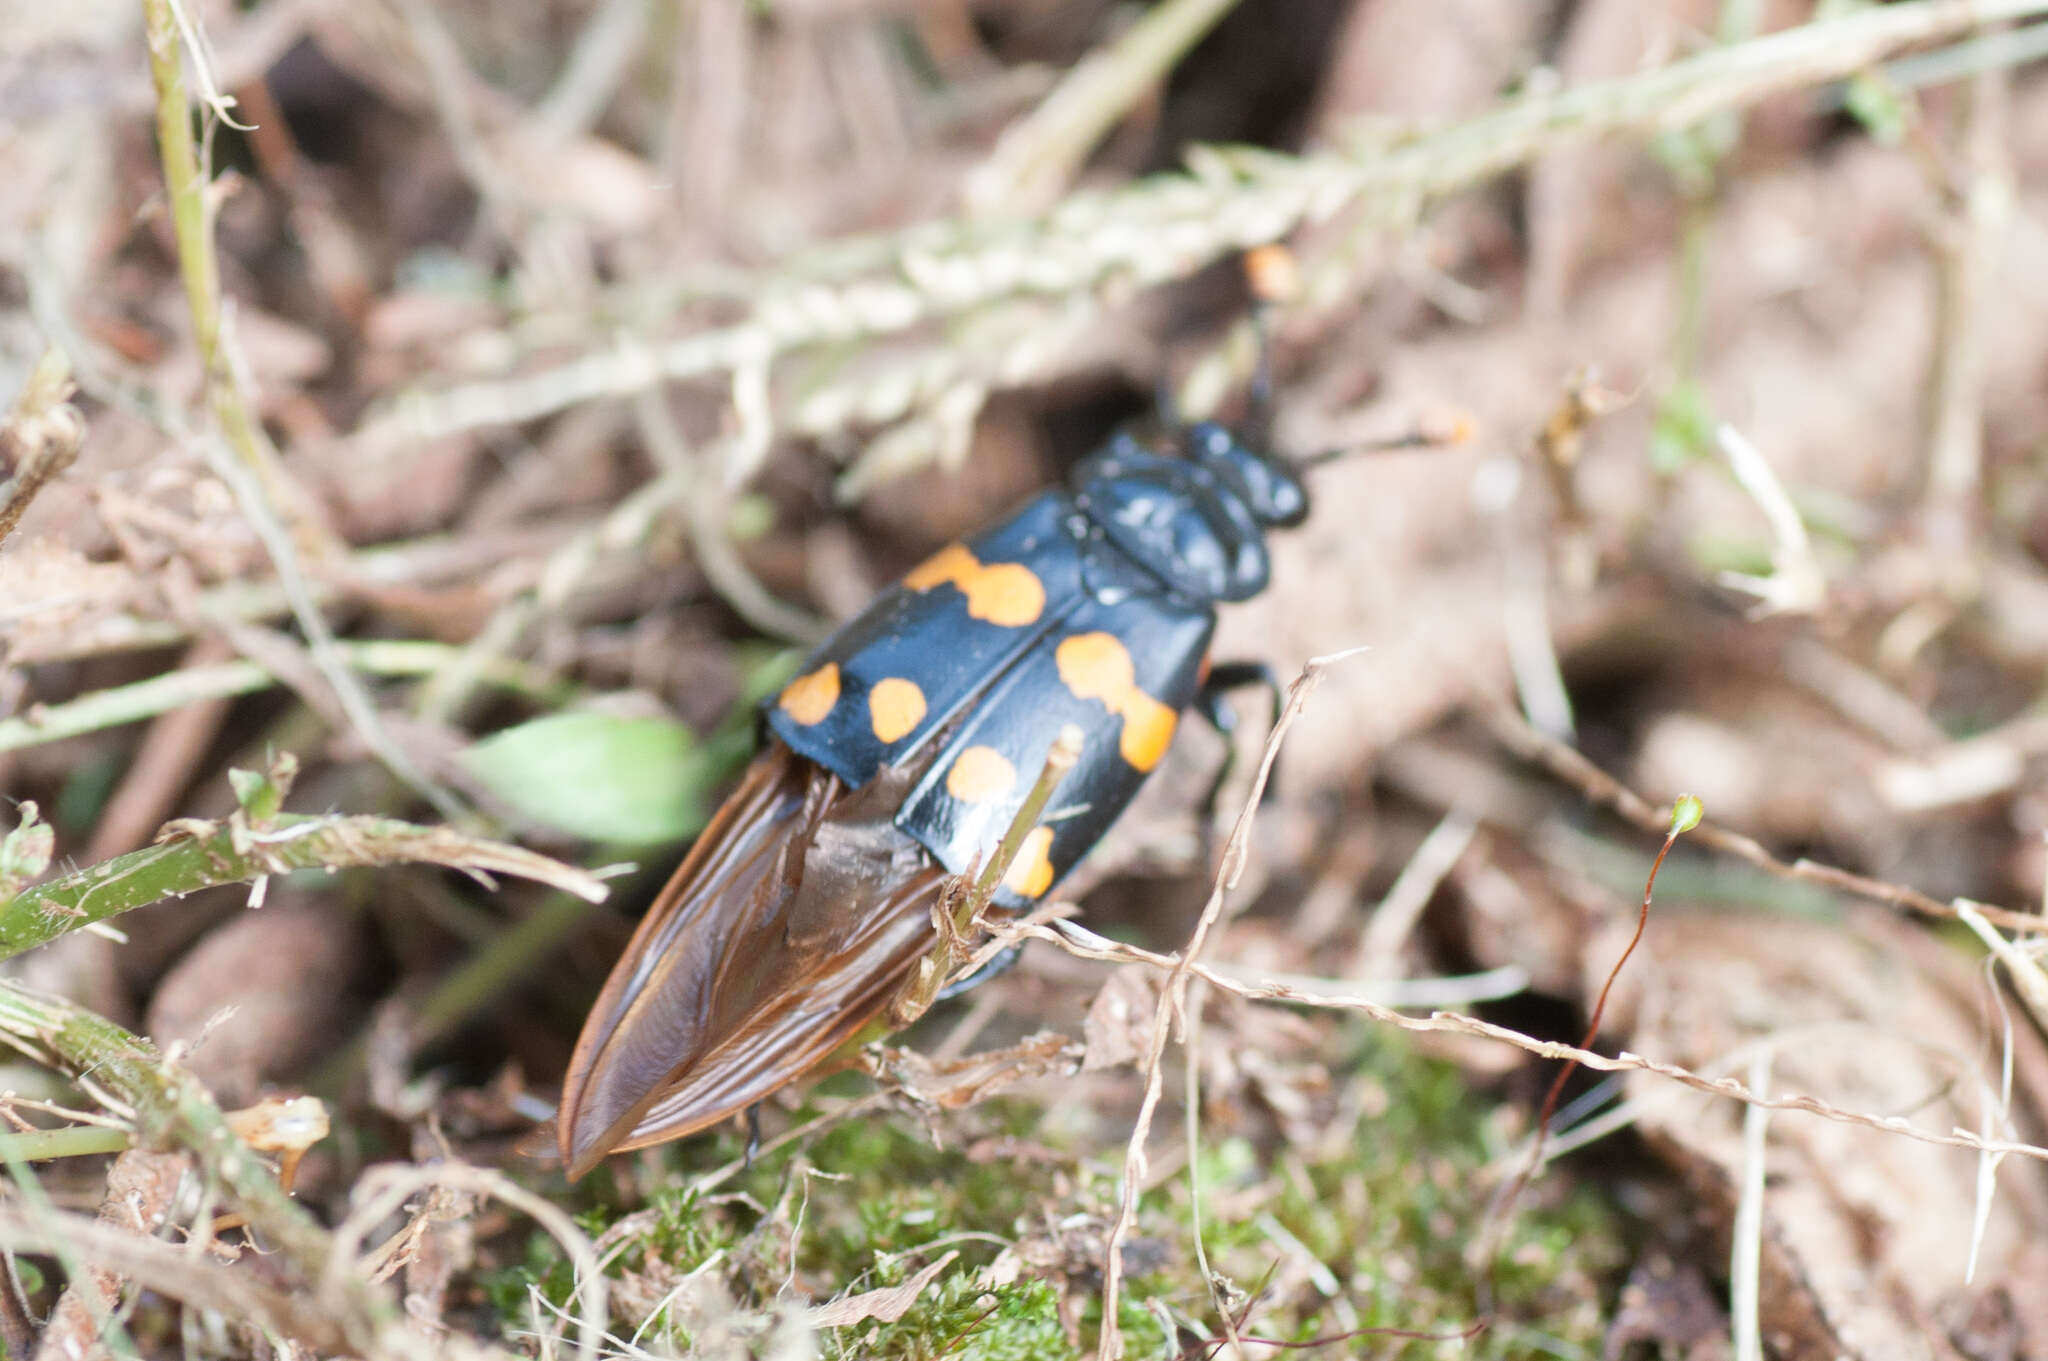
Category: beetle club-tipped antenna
[1442,430]
[1273,279]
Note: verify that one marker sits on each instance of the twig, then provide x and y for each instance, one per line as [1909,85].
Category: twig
[421,562]
[39,438]
[1170,226]
[252,472]
[1191,1117]
[325,649]
[1601,788]
[959,906]
[1173,1002]
[1796,584]
[706,507]
[1379,947]
[442,698]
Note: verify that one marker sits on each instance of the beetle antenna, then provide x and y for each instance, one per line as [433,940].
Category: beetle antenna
[1273,278]
[1165,401]
[1259,401]
[1443,431]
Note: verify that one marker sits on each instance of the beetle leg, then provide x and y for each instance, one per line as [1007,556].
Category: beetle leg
[1212,704]
[995,968]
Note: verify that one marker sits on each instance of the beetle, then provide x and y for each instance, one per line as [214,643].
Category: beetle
[899,757]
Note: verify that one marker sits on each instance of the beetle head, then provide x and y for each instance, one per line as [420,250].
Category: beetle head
[1268,487]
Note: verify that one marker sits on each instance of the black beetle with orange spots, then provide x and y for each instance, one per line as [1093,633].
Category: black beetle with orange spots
[901,755]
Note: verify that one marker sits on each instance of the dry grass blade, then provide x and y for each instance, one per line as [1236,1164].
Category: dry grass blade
[1172,1004]
[1599,787]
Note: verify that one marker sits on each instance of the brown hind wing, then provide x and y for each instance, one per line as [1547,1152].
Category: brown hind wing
[791,923]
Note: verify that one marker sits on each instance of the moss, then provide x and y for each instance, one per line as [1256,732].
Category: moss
[1385,1201]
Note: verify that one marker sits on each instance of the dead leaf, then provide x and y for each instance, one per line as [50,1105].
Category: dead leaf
[884,1306]
[1118,1028]
[950,1084]
[1868,1238]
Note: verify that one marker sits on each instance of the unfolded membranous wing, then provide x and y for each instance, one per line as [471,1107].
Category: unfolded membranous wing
[792,922]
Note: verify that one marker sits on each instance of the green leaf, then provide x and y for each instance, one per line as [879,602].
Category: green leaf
[1682,431]
[1879,106]
[602,776]
[261,795]
[25,852]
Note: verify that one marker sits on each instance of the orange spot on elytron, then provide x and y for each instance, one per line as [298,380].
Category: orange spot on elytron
[895,706]
[1031,872]
[979,775]
[1096,666]
[1148,729]
[1005,593]
[807,699]
[948,564]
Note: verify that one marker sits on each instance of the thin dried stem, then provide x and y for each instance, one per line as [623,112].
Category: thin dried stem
[1173,1003]
[1967,246]
[1599,787]
[383,1190]
[142,1189]
[1085,945]
[185,183]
